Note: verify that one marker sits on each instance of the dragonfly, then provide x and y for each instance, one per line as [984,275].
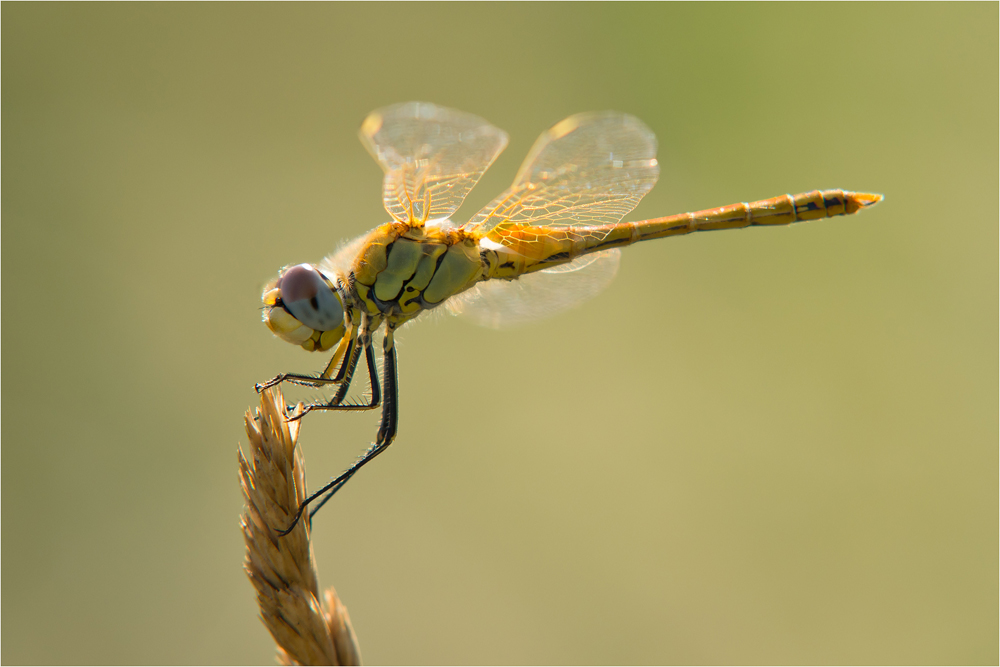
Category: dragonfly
[549,242]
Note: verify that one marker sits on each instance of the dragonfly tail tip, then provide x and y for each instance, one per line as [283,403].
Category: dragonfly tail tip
[859,200]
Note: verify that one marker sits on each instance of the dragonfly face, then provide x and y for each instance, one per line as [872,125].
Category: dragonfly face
[305,307]
[547,243]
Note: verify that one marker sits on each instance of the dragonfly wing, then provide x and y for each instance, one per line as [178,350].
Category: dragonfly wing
[431,156]
[590,169]
[501,304]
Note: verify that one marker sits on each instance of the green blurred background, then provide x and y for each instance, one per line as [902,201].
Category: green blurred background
[772,446]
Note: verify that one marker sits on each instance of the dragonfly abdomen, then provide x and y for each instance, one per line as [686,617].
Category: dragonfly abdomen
[522,248]
[781,210]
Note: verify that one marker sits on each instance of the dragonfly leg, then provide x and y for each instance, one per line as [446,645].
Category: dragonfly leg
[323,378]
[336,403]
[390,410]
[295,378]
[386,434]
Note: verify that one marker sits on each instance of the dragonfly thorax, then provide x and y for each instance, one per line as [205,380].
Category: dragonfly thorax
[403,270]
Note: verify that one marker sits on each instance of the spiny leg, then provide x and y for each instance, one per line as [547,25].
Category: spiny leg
[350,336]
[387,425]
[314,381]
[364,342]
[386,431]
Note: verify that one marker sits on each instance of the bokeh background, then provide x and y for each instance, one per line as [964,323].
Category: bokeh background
[768,446]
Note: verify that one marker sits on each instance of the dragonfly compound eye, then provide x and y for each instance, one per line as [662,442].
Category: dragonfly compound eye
[309,299]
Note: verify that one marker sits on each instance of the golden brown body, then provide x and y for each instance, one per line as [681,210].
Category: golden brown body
[566,203]
[405,269]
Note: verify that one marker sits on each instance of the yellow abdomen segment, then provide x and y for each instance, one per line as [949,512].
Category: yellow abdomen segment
[526,248]
[783,210]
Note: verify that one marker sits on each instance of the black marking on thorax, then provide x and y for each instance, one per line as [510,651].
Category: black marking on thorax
[392,306]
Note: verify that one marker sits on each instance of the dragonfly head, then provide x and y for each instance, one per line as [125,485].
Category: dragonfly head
[303,307]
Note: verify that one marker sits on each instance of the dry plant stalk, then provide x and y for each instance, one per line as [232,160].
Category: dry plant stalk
[282,569]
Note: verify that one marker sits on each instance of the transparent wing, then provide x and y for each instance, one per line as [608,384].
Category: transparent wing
[432,157]
[590,169]
[501,304]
